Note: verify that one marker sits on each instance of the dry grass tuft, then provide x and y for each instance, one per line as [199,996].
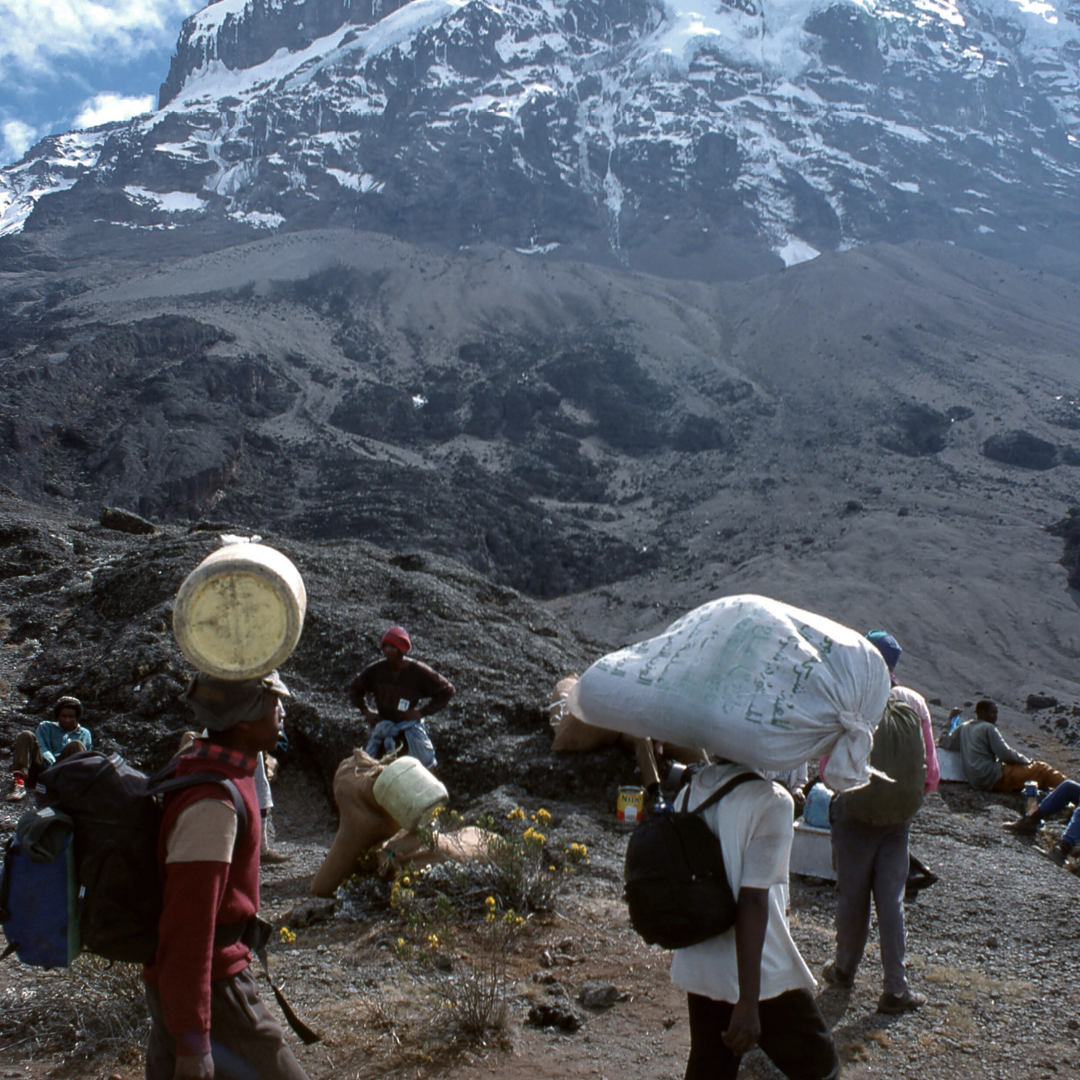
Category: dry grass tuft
[92,1008]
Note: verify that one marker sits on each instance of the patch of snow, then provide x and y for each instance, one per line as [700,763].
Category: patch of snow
[796,251]
[258,219]
[397,28]
[907,185]
[172,202]
[362,182]
[179,150]
[538,249]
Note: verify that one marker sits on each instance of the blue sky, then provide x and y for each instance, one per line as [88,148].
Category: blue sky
[68,64]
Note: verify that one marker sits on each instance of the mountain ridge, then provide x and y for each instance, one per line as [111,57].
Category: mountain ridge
[635,134]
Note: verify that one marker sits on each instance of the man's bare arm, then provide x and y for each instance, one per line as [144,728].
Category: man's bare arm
[751,919]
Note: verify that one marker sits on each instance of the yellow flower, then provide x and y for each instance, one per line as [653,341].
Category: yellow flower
[287,935]
[490,901]
[516,814]
[543,816]
[433,941]
[400,942]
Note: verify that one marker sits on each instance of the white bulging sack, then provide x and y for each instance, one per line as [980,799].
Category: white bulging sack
[751,679]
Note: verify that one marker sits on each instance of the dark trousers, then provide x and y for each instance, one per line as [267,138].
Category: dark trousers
[246,1041]
[28,760]
[871,862]
[794,1036]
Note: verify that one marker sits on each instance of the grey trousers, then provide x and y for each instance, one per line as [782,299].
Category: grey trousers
[870,861]
[246,1042]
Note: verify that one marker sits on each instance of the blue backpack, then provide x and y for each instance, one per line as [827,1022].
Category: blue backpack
[100,889]
[39,892]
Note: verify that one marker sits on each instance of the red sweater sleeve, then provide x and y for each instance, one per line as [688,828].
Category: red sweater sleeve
[193,894]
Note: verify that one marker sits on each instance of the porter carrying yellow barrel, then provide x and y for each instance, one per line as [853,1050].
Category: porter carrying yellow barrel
[239,613]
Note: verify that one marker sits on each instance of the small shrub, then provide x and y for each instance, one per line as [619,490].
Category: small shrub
[473,998]
[94,1007]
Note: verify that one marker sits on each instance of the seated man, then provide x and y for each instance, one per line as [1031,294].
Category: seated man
[989,762]
[54,739]
[1065,793]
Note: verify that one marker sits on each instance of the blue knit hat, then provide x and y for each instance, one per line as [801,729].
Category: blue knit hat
[887,645]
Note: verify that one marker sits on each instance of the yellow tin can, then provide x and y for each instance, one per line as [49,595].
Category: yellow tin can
[629,804]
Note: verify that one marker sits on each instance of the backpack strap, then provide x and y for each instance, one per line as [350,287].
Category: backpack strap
[720,792]
[176,783]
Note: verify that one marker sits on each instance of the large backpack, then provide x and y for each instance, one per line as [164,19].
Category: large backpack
[676,885]
[900,753]
[116,814]
[39,892]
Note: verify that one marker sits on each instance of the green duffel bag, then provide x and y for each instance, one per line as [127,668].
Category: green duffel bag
[900,753]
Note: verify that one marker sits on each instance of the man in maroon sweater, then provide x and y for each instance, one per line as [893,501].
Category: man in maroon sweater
[207,1019]
[398,685]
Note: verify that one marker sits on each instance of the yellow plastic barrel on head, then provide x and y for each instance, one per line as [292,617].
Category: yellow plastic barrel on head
[239,613]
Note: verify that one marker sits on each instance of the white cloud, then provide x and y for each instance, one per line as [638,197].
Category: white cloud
[15,139]
[37,32]
[110,108]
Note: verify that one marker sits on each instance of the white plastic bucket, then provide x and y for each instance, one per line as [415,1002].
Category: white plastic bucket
[239,613]
[409,793]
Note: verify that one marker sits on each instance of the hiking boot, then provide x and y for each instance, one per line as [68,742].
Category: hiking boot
[17,792]
[908,1001]
[271,856]
[1028,825]
[1060,852]
[835,977]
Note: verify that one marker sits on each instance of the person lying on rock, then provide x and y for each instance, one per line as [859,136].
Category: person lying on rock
[53,741]
[989,762]
[398,685]
[1068,791]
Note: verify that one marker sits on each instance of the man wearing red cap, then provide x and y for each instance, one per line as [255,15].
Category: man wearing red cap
[398,685]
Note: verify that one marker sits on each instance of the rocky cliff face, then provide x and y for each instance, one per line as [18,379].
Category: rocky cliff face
[630,132]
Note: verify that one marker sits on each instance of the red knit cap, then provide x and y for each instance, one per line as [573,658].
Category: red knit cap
[398,637]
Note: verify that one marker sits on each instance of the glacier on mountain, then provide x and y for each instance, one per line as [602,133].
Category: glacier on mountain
[715,136]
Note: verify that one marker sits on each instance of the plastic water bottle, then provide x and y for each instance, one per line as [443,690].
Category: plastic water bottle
[1031,797]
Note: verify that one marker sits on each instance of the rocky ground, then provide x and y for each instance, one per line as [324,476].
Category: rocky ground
[991,946]
[86,608]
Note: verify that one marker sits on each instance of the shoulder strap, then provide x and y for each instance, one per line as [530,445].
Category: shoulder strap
[176,783]
[720,792]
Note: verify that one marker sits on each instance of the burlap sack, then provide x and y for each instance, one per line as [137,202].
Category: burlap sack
[364,823]
[573,735]
[407,851]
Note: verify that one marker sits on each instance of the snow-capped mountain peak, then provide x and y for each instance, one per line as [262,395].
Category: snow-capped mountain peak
[708,140]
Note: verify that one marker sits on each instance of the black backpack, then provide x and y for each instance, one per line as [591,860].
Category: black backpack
[676,886]
[116,811]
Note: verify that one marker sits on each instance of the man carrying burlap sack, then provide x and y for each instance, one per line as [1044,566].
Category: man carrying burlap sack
[870,830]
